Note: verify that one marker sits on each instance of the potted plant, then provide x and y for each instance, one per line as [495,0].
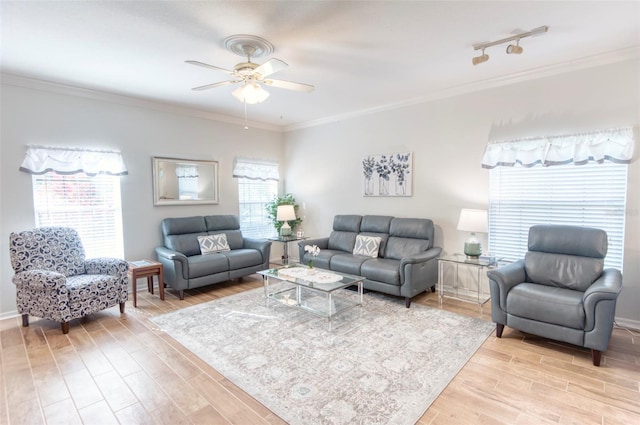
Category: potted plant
[272,211]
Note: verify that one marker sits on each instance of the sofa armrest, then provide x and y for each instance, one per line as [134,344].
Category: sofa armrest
[262,245]
[606,287]
[431,254]
[505,278]
[44,280]
[176,261]
[322,243]
[103,265]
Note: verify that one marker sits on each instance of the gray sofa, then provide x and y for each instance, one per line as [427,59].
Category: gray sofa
[405,264]
[185,267]
[560,290]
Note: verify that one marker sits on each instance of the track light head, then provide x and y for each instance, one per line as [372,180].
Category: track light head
[479,59]
[514,49]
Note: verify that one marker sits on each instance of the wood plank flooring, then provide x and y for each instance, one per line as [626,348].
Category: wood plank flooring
[114,369]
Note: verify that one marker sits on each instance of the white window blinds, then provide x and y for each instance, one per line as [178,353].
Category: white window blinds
[253,198]
[591,195]
[91,205]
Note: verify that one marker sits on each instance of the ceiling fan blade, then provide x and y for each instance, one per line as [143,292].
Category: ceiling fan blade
[206,65]
[211,86]
[289,85]
[271,66]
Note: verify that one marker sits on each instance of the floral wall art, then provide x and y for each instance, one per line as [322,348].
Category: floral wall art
[388,175]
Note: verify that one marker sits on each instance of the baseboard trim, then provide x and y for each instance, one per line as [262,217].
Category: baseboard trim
[627,323]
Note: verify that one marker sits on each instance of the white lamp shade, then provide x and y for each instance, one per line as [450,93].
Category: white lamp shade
[286,213]
[473,221]
[250,93]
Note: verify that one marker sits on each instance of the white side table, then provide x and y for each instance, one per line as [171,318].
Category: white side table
[474,291]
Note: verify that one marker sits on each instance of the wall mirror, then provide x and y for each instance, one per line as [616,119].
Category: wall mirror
[184,181]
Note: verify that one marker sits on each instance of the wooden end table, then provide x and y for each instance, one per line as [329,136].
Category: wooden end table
[148,269]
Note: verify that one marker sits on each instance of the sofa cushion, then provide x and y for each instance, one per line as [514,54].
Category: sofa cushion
[347,223]
[562,271]
[369,246]
[203,265]
[399,248]
[382,270]
[342,241]
[186,244]
[243,258]
[213,243]
[377,226]
[222,222]
[322,259]
[347,263]
[558,306]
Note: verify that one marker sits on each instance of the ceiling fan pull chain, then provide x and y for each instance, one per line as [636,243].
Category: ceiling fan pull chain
[246,126]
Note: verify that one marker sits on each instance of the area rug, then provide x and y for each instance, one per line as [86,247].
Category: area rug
[380,364]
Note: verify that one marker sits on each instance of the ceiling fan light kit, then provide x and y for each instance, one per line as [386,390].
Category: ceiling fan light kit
[251,75]
[511,48]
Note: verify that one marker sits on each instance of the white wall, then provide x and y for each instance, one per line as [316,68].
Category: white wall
[39,117]
[322,164]
[447,138]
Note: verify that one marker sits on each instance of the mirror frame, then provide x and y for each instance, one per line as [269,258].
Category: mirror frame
[210,166]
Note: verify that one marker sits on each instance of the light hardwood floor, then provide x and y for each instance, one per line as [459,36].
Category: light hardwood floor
[121,369]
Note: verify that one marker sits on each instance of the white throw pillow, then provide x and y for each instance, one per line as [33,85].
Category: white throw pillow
[213,243]
[367,246]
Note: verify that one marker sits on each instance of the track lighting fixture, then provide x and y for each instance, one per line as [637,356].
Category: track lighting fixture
[511,48]
[479,59]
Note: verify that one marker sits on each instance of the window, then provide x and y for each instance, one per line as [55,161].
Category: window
[591,195]
[253,197]
[257,185]
[91,205]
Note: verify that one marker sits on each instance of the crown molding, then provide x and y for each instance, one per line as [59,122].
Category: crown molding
[42,85]
[622,55]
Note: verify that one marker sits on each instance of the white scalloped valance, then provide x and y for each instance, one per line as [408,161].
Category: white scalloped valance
[39,160]
[256,169]
[614,145]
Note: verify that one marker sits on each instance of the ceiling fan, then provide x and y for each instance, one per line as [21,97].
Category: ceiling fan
[251,75]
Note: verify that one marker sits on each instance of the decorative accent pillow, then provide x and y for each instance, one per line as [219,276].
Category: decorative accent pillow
[367,246]
[213,243]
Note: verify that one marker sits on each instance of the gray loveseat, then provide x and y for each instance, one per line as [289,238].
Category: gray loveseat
[405,263]
[186,267]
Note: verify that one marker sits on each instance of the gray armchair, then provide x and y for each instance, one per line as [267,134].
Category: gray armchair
[560,290]
[54,281]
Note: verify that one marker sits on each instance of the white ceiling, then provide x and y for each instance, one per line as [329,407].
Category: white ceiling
[361,56]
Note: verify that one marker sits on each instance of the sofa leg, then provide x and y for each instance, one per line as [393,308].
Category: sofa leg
[25,320]
[65,327]
[407,302]
[181,294]
[499,329]
[121,308]
[596,356]
[433,288]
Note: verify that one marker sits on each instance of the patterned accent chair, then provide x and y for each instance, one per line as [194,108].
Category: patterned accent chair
[54,280]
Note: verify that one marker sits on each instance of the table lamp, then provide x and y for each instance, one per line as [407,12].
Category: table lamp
[473,221]
[284,214]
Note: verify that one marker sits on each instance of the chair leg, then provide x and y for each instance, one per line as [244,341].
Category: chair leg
[407,302]
[596,356]
[65,327]
[499,329]
[25,320]
[121,308]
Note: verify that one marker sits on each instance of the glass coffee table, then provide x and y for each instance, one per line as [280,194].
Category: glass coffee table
[312,289]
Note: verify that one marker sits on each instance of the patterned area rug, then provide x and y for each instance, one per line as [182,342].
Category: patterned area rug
[382,364]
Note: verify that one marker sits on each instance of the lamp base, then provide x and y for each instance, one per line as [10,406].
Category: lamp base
[473,247]
[285,230]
